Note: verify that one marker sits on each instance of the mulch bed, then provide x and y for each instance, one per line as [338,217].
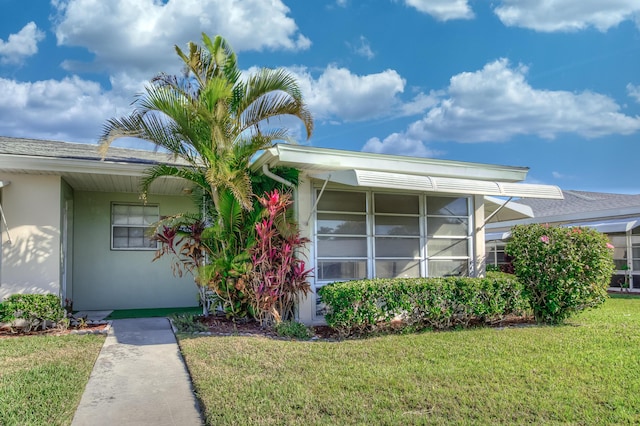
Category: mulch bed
[219,325]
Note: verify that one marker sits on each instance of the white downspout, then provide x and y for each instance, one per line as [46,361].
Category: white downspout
[268,173]
[4,183]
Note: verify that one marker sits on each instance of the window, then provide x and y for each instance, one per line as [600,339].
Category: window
[626,257]
[396,235]
[366,234]
[495,254]
[447,236]
[130,226]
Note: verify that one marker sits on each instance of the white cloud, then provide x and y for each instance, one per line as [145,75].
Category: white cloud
[496,104]
[21,45]
[362,48]
[71,109]
[567,15]
[341,95]
[140,34]
[420,103]
[633,91]
[400,144]
[443,10]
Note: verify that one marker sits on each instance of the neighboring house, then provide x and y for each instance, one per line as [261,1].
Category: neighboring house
[617,215]
[76,223]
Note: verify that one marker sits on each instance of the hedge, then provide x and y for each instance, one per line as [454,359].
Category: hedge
[36,310]
[364,306]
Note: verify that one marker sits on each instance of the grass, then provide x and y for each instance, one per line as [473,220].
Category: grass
[149,313]
[42,377]
[585,372]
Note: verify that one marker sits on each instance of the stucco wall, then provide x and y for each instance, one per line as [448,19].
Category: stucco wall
[111,279]
[31,262]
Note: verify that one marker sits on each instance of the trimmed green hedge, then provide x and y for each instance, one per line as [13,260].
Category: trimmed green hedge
[38,310]
[364,306]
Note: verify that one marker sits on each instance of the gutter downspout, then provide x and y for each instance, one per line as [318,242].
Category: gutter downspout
[4,183]
[268,173]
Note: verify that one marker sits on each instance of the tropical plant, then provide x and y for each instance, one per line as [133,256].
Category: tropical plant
[278,278]
[563,270]
[214,120]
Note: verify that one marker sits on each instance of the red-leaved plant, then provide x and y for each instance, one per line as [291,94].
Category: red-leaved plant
[279,278]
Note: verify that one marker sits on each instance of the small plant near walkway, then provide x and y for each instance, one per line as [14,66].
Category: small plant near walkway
[563,270]
[188,323]
[293,329]
[42,377]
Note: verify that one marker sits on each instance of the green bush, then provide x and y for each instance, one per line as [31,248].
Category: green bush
[563,270]
[37,310]
[292,329]
[364,306]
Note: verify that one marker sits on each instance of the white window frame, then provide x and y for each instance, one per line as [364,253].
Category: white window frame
[370,235]
[145,226]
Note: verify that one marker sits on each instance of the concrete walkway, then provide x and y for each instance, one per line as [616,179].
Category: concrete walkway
[139,379]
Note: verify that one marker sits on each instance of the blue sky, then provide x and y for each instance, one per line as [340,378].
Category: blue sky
[553,85]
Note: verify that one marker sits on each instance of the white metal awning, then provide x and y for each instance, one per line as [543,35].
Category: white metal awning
[493,236]
[375,179]
[609,226]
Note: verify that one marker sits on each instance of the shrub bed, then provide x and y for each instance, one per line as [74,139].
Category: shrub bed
[365,306]
[32,311]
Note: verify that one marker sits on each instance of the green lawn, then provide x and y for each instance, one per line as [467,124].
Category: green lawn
[42,377]
[587,372]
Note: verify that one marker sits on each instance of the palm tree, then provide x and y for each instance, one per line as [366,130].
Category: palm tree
[215,121]
[212,118]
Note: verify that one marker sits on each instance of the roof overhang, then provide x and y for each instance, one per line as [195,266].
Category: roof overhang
[609,226]
[604,226]
[92,174]
[439,184]
[497,236]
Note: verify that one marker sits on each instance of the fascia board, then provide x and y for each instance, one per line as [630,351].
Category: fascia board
[66,165]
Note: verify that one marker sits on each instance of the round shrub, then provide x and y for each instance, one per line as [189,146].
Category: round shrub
[563,270]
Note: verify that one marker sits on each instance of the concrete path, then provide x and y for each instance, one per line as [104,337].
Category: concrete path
[139,379]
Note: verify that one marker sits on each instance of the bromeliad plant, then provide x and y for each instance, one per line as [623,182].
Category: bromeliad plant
[278,278]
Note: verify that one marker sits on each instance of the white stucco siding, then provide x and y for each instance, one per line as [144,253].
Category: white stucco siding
[120,279]
[477,230]
[31,261]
